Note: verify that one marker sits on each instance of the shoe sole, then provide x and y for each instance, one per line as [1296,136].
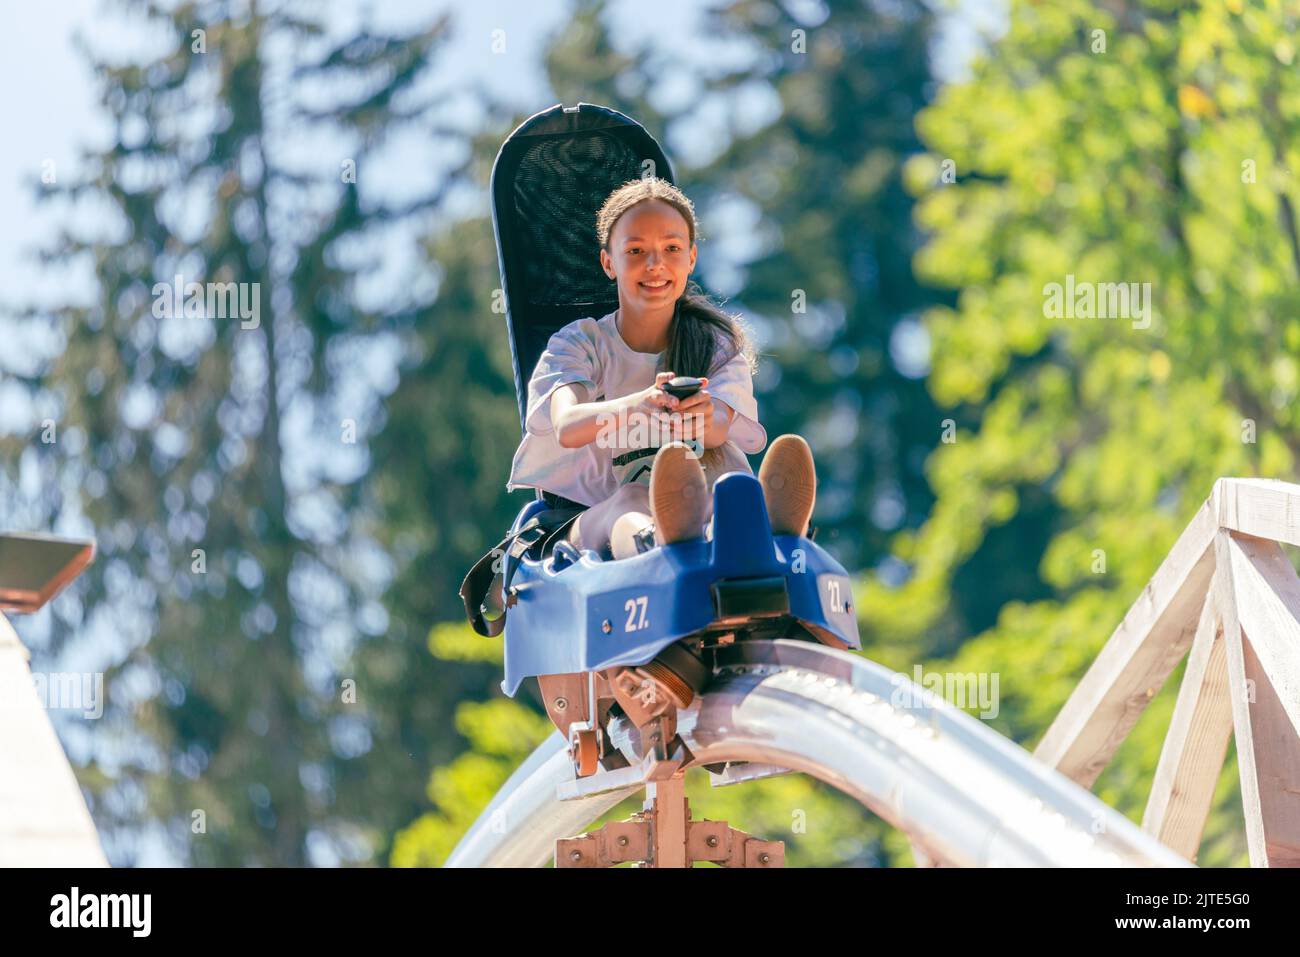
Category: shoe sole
[678,494]
[789,481]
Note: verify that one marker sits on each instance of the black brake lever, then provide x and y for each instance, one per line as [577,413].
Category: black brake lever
[682,387]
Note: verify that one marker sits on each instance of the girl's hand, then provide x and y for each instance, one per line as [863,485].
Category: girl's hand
[690,420]
[679,418]
[692,403]
[653,399]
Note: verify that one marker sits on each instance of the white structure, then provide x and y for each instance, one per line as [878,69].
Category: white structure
[43,817]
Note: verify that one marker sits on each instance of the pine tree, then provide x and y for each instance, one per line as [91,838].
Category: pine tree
[216,454]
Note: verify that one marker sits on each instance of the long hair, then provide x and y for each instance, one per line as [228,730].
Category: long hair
[701,338]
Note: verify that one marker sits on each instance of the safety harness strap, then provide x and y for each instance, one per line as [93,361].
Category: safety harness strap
[502,560]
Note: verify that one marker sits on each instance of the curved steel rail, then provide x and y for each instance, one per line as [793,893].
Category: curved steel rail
[962,793]
[520,826]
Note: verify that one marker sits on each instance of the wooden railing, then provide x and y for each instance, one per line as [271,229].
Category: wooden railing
[1227,596]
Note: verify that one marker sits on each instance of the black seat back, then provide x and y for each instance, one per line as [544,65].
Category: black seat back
[549,180]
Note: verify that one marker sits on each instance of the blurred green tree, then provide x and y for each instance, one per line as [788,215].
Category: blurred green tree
[825,273]
[1151,143]
[216,454]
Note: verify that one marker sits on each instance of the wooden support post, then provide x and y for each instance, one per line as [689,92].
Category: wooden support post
[1259,598]
[666,802]
[1196,744]
[1268,608]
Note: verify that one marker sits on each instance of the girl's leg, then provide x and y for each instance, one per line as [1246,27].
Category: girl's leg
[676,504]
[622,537]
[613,522]
[677,499]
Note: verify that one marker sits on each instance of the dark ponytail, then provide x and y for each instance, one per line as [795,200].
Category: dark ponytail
[703,338]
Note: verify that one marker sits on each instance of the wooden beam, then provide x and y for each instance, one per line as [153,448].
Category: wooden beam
[1276,762]
[1268,608]
[1154,635]
[1268,749]
[1196,744]
[1259,507]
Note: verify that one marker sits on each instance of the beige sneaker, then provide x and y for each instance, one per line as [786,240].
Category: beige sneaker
[789,481]
[679,500]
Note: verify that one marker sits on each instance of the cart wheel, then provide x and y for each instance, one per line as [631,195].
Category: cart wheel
[585,755]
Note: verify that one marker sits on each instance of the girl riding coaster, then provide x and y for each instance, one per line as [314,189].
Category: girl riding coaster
[602,386]
[622,583]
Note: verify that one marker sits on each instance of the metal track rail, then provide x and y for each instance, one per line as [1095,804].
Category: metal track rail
[962,793]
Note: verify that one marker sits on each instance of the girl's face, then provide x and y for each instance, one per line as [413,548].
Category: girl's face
[650,255]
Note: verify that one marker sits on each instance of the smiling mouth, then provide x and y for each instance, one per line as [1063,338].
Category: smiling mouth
[659,286]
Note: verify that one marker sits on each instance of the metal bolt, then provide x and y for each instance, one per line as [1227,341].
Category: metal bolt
[561,704]
[764,858]
[622,841]
[711,840]
[575,855]
[606,627]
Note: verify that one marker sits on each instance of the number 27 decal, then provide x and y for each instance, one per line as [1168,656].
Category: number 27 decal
[838,595]
[635,608]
